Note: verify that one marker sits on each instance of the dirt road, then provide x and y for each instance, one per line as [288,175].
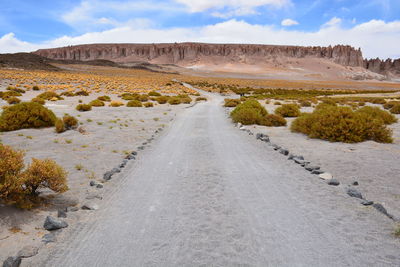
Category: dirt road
[207,194]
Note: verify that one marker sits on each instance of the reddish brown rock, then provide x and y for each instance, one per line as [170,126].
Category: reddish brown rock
[184,53]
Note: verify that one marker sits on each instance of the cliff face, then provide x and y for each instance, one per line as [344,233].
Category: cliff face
[181,53]
[383,66]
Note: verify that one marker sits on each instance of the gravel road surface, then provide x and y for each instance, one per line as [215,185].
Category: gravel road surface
[206,194]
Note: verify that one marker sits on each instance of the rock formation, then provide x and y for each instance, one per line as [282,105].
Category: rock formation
[186,53]
[388,66]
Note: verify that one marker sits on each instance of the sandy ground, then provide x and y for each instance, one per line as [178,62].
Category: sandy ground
[207,194]
[374,165]
[110,134]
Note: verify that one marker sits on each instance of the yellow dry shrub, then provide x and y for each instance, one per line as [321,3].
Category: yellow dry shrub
[44,174]
[341,124]
[20,187]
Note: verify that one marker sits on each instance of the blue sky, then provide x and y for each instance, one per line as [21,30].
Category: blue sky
[373,25]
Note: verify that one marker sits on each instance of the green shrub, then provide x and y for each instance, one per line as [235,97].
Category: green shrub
[231,103]
[174,101]
[380,101]
[148,105]
[83,107]
[341,124]
[9,94]
[49,95]
[397,231]
[305,103]
[273,120]
[143,98]
[201,99]
[13,100]
[104,98]
[378,113]
[129,97]
[154,93]
[116,104]
[82,93]
[97,103]
[26,115]
[18,90]
[249,112]
[288,110]
[390,104]
[162,99]
[40,101]
[395,109]
[134,103]
[68,94]
[35,88]
[277,103]
[70,122]
[60,127]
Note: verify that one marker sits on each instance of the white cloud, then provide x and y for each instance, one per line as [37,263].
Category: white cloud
[231,7]
[289,22]
[10,44]
[91,15]
[376,37]
[333,22]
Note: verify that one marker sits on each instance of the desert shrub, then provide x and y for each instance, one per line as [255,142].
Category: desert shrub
[44,174]
[148,105]
[277,103]
[35,88]
[380,101]
[185,100]
[82,93]
[9,94]
[162,99]
[378,113]
[395,109]
[201,99]
[11,163]
[104,98]
[60,128]
[273,120]
[70,122]
[49,95]
[116,104]
[143,98]
[341,124]
[154,93]
[83,107]
[390,104]
[231,103]
[129,97]
[21,187]
[329,101]
[134,103]
[249,112]
[97,103]
[18,90]
[305,103]
[397,231]
[13,100]
[40,101]
[288,110]
[174,101]
[325,104]
[361,104]
[68,94]
[26,115]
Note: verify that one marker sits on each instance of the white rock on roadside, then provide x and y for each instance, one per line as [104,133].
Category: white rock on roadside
[326,176]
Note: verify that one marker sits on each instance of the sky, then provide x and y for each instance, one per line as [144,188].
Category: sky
[372,25]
